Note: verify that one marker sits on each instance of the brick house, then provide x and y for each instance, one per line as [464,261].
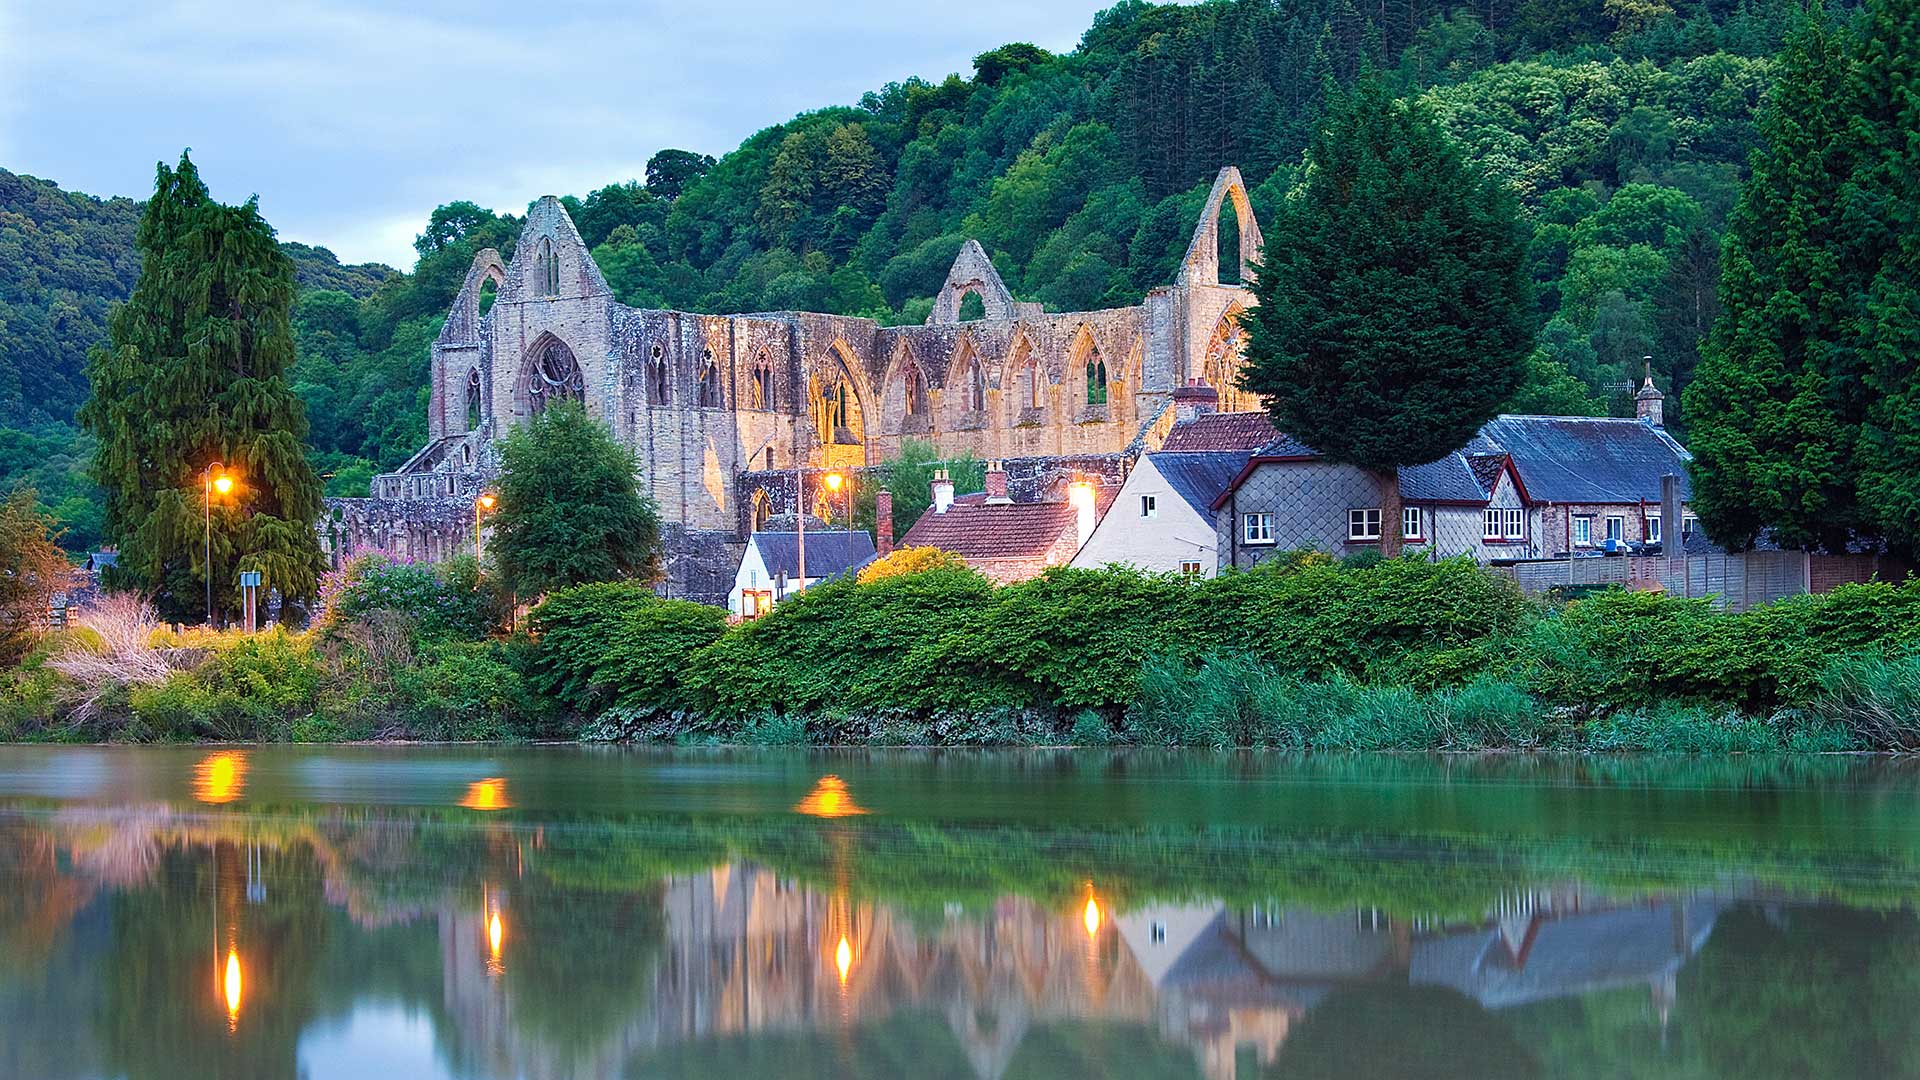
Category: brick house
[1004,540]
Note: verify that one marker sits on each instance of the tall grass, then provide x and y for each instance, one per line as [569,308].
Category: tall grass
[1878,698]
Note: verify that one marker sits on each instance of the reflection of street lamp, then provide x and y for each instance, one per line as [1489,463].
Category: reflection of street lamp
[481,505]
[214,479]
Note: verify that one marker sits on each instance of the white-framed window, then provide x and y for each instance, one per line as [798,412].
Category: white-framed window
[1616,527]
[1653,529]
[1513,523]
[1149,507]
[1190,569]
[1410,527]
[1363,524]
[1689,524]
[1583,532]
[1256,528]
[1492,529]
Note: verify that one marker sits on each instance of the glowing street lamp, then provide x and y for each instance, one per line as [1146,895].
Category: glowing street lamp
[481,505]
[835,482]
[215,480]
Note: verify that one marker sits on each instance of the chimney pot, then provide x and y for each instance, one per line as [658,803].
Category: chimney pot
[1194,399]
[996,483]
[942,491]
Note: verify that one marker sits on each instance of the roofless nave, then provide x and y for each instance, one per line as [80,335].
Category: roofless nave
[718,408]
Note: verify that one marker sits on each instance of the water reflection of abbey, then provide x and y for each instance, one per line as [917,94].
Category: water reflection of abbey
[737,952]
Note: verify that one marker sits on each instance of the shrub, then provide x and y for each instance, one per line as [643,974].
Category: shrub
[446,601]
[576,628]
[1876,699]
[910,560]
[469,692]
[1675,728]
[1489,713]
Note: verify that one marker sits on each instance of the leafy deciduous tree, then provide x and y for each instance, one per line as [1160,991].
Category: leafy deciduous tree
[570,509]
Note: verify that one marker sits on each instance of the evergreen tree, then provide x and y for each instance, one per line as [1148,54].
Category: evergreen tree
[1395,310]
[1882,210]
[195,371]
[32,570]
[1772,445]
[570,510]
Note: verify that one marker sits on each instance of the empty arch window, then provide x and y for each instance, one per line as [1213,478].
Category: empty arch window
[555,375]
[658,383]
[762,385]
[710,395]
[473,399]
[549,269]
[1096,379]
[915,391]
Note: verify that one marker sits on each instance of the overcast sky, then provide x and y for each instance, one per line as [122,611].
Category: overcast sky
[352,121]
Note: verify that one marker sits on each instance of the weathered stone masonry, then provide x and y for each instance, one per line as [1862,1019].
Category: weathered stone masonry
[719,408]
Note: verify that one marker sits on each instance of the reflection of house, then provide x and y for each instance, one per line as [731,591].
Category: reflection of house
[1005,540]
[770,566]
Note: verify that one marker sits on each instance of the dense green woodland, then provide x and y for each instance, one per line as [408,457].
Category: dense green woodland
[1622,126]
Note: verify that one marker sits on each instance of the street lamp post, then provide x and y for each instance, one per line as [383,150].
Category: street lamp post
[210,483]
[484,503]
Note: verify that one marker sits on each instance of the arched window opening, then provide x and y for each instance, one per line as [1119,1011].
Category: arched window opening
[554,376]
[489,290]
[710,391]
[762,509]
[762,385]
[915,391]
[1220,367]
[473,399]
[1227,250]
[836,412]
[1033,386]
[549,269]
[972,307]
[659,385]
[1096,378]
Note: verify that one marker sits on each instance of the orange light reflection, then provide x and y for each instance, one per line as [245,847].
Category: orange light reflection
[488,794]
[231,985]
[1092,916]
[829,799]
[843,959]
[220,777]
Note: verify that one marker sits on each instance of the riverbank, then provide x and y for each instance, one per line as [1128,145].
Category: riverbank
[1303,654]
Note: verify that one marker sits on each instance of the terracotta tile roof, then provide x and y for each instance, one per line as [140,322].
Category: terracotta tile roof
[1220,431]
[1003,531]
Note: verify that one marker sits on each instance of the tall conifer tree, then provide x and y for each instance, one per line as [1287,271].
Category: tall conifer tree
[1881,207]
[1395,313]
[195,371]
[1769,424]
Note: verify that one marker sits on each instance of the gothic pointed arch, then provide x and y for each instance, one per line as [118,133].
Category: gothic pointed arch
[762,509]
[659,376]
[836,408]
[1028,382]
[547,267]
[1202,263]
[1220,363]
[710,393]
[1088,365]
[972,274]
[966,384]
[762,384]
[473,399]
[549,373]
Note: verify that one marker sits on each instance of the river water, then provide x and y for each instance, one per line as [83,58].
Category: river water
[554,912]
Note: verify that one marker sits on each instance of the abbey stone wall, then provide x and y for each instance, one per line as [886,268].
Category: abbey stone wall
[717,406]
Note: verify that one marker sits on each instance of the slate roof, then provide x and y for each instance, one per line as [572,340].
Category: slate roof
[830,553]
[1580,459]
[1452,479]
[1242,431]
[998,531]
[1199,478]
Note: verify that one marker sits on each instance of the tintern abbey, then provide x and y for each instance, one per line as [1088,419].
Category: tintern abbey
[727,412]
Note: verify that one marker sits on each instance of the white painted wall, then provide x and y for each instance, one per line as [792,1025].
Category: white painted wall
[1175,533]
[752,575]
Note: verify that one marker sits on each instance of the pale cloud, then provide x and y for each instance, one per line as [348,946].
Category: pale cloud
[351,121]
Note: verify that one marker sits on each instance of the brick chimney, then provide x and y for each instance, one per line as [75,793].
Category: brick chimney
[997,483]
[1650,404]
[1194,399]
[883,522]
[942,491]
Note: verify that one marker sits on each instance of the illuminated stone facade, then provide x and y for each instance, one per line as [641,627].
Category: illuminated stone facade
[715,406]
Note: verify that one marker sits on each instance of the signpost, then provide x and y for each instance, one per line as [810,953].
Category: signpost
[250,596]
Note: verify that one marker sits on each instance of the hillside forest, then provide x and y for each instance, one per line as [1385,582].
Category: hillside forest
[1623,127]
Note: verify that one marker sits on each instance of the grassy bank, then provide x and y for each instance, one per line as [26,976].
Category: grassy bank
[1302,654]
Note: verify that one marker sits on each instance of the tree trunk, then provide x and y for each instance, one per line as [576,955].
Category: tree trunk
[1389,512]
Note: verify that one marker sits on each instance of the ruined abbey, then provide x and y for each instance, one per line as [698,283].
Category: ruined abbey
[726,412]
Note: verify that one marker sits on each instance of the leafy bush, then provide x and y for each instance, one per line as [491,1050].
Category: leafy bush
[910,560]
[576,628]
[445,601]
[469,692]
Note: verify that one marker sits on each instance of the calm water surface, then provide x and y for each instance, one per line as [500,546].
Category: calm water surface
[568,912]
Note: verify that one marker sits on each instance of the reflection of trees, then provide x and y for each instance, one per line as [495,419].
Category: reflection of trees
[1414,1033]
[579,961]
[162,1015]
[1806,992]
